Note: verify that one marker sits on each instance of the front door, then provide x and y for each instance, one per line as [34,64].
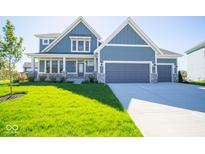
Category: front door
[80,69]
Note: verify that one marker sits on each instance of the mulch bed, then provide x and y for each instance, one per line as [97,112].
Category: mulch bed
[14,96]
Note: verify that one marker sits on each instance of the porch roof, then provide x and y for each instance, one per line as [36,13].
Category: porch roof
[54,55]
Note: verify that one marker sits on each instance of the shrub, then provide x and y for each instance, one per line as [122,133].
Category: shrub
[90,79]
[23,77]
[182,76]
[31,78]
[62,79]
[52,78]
[42,78]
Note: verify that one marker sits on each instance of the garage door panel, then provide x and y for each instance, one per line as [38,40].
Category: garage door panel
[164,73]
[127,73]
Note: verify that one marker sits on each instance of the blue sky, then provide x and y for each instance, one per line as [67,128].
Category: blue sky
[172,33]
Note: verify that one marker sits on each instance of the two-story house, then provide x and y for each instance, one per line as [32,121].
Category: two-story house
[128,55]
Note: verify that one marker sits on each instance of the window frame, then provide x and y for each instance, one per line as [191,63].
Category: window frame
[45,43]
[77,39]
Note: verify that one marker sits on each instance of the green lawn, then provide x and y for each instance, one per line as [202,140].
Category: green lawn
[64,109]
[201,83]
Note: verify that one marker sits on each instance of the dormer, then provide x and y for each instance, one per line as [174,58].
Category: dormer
[46,39]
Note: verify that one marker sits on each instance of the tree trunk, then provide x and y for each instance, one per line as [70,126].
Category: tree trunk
[10,77]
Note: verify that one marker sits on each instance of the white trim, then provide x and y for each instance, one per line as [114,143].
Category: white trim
[44,55]
[168,56]
[43,43]
[67,30]
[80,37]
[127,45]
[128,62]
[172,69]
[130,22]
[77,39]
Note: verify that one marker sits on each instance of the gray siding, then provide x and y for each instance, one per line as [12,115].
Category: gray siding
[41,46]
[64,46]
[167,61]
[127,36]
[127,54]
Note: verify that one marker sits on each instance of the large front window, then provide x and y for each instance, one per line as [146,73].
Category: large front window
[47,66]
[54,66]
[80,44]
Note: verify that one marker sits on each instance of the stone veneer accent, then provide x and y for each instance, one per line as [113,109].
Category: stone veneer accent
[175,77]
[154,78]
[101,77]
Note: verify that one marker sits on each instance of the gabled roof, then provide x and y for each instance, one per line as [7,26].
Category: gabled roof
[197,47]
[70,28]
[48,35]
[130,22]
[168,53]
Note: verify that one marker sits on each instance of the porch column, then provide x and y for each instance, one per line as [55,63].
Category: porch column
[58,66]
[33,66]
[95,65]
[64,65]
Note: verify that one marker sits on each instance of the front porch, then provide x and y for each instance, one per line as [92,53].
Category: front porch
[70,67]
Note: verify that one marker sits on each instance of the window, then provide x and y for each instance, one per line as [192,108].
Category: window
[45,42]
[90,63]
[71,66]
[61,66]
[80,44]
[48,66]
[89,66]
[42,66]
[74,46]
[87,46]
[54,66]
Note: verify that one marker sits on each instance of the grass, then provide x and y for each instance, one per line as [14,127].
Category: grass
[64,109]
[201,82]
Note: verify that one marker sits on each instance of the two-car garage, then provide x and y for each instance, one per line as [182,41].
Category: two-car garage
[133,72]
[127,72]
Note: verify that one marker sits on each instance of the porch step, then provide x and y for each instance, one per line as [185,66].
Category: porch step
[76,80]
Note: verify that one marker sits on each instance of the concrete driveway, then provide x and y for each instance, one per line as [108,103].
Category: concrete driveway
[164,109]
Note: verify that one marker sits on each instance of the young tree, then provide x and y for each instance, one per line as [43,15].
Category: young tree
[10,48]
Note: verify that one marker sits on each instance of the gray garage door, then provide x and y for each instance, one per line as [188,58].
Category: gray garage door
[127,73]
[164,73]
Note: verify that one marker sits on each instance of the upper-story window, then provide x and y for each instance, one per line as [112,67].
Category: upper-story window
[45,42]
[80,44]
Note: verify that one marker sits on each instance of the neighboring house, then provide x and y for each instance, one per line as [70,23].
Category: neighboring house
[196,62]
[127,56]
[27,67]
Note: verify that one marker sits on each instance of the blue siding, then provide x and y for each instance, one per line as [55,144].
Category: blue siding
[127,36]
[64,46]
[167,61]
[41,46]
[127,54]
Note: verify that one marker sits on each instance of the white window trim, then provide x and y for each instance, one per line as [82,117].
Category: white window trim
[45,43]
[77,39]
